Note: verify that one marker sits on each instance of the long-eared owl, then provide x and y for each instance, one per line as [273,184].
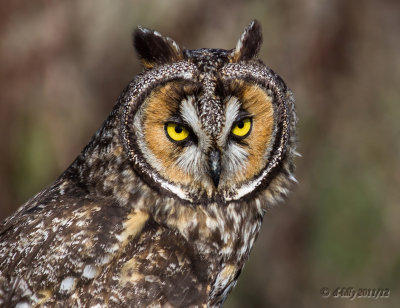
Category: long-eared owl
[163,205]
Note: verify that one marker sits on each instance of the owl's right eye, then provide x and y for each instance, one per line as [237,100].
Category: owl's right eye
[176,132]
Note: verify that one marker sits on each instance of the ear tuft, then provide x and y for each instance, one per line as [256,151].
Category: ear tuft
[155,49]
[249,43]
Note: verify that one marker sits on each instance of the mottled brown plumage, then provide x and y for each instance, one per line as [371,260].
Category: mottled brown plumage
[143,218]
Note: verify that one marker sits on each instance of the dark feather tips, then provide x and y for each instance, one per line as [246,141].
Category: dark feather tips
[249,43]
[155,49]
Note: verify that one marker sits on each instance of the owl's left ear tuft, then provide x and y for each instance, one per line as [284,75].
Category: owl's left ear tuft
[155,49]
[249,43]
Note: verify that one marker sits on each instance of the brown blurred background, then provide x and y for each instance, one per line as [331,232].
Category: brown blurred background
[64,63]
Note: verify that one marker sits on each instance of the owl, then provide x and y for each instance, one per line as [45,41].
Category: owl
[162,207]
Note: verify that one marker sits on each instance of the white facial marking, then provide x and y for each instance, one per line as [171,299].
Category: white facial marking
[191,161]
[234,159]
[235,156]
[189,114]
[231,112]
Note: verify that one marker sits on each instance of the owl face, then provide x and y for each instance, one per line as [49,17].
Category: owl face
[206,125]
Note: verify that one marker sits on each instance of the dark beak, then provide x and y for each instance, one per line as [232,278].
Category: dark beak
[215,166]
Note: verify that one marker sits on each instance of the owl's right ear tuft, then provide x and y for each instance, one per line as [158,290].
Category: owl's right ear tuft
[155,49]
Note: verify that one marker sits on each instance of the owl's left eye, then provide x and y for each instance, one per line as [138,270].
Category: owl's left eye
[242,128]
[176,132]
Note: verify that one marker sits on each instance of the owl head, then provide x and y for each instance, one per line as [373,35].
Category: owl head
[209,125]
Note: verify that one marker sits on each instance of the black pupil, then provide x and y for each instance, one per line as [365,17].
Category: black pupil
[178,129]
[241,124]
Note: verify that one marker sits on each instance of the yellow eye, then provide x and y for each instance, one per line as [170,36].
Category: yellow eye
[242,128]
[177,132]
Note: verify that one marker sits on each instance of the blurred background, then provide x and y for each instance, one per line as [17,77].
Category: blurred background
[64,63]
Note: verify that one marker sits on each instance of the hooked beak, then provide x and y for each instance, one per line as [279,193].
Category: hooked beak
[214,160]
